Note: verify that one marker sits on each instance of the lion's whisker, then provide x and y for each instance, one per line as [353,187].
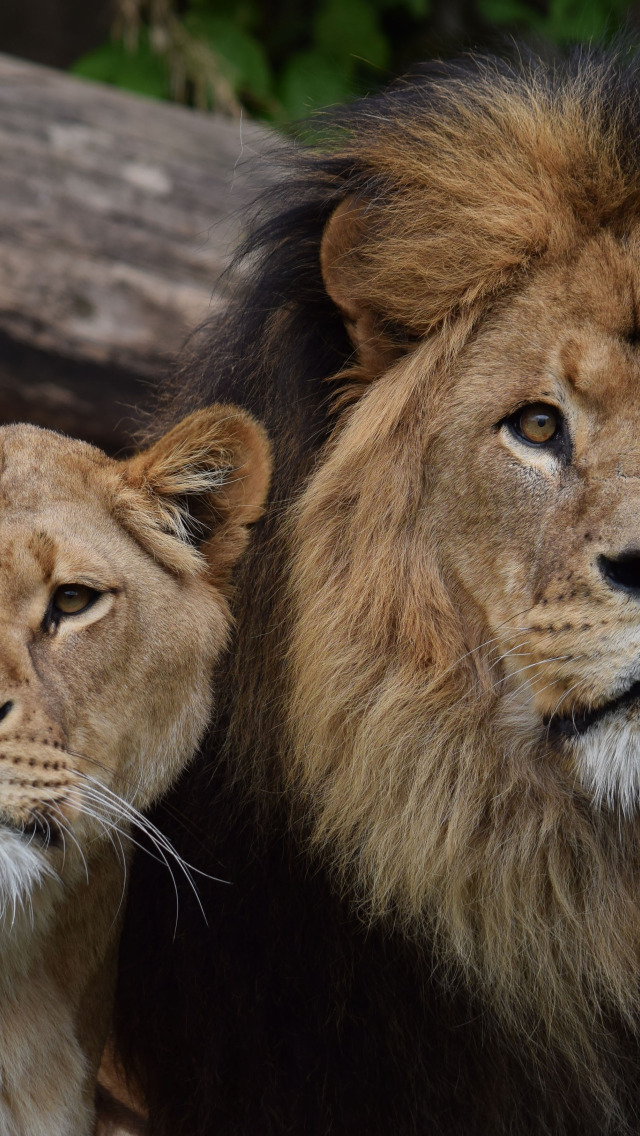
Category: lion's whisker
[488,642]
[540,662]
[514,674]
[580,682]
[506,654]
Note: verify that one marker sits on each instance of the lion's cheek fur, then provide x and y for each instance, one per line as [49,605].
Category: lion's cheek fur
[417,788]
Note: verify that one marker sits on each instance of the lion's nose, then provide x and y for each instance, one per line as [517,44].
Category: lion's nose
[622,571]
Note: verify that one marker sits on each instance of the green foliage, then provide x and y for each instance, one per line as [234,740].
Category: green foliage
[348,32]
[563,22]
[282,59]
[310,80]
[243,59]
[144,71]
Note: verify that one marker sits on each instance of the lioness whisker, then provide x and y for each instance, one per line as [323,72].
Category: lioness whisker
[161,858]
[144,823]
[71,834]
[62,835]
[131,815]
[111,834]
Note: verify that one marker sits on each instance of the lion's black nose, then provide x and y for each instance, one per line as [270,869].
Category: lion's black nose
[622,571]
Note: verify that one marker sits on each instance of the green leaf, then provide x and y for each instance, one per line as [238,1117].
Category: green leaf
[582,20]
[242,57]
[139,70]
[310,81]
[242,12]
[348,31]
[506,12]
[416,8]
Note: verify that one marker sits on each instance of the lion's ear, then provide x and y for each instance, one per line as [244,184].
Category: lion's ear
[189,497]
[378,342]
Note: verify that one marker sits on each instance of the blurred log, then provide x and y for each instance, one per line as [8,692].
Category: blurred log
[117,217]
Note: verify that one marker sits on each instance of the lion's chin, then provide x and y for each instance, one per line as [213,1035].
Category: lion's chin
[605,746]
[576,723]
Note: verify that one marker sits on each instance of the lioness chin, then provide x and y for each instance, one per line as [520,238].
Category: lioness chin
[112,613]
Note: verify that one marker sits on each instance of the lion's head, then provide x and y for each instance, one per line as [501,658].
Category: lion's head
[465,659]
[112,601]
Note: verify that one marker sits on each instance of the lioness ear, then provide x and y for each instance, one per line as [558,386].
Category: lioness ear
[189,498]
[344,273]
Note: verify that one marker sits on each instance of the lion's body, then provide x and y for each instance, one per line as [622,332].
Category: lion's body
[111,623]
[426,787]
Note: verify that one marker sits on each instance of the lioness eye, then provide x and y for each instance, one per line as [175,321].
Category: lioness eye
[537,423]
[69,599]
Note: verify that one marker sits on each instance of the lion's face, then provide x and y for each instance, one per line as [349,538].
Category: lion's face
[111,621]
[542,531]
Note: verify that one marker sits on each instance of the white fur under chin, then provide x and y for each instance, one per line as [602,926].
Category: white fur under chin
[22,870]
[608,762]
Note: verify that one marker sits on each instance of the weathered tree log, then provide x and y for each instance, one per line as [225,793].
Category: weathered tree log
[117,218]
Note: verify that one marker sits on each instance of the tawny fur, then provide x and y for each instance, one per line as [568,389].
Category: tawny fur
[101,709]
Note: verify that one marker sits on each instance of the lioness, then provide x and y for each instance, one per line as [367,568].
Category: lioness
[112,607]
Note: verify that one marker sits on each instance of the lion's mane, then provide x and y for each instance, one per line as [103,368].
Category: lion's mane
[373,752]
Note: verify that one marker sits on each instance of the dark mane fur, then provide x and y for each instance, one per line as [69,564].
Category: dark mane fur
[289,1013]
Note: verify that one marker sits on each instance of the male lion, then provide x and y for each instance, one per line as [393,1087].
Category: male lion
[113,611]
[428,789]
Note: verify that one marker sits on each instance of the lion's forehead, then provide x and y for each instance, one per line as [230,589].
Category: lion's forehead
[569,336]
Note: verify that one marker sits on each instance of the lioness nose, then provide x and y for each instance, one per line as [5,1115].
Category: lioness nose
[5,709]
[622,571]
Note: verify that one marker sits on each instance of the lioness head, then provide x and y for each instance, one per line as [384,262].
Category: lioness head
[465,669]
[112,607]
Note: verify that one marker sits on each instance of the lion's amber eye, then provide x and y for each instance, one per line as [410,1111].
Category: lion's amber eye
[69,599]
[538,423]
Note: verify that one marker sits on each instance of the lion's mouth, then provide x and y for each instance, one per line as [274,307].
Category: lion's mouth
[576,723]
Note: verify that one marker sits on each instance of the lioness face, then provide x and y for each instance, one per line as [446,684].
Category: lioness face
[545,536]
[111,620]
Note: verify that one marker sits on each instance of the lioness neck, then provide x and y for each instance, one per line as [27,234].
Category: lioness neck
[57,970]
